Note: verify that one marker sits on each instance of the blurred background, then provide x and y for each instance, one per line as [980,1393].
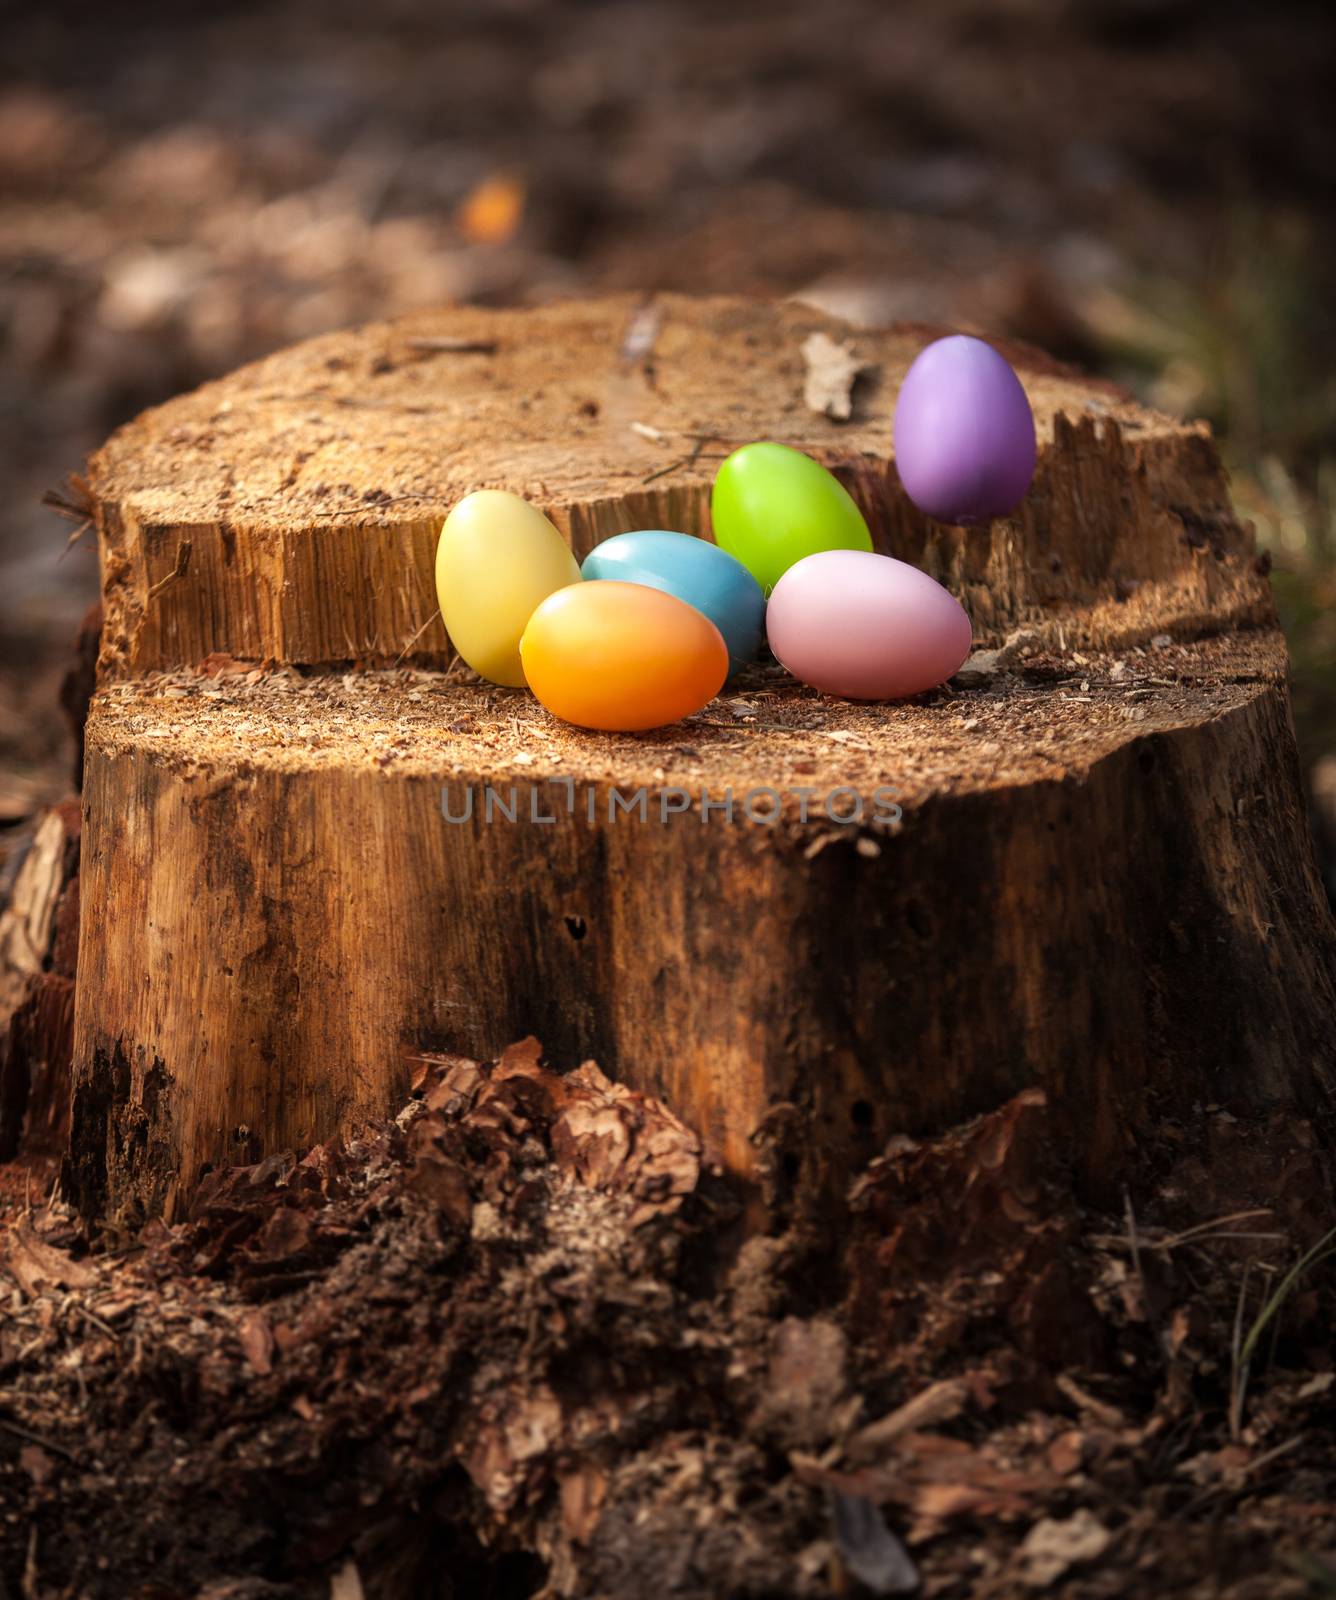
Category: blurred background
[1142,186]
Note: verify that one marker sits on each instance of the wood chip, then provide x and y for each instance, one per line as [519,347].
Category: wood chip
[257,1340]
[1109,1415]
[1052,1547]
[938,1403]
[832,371]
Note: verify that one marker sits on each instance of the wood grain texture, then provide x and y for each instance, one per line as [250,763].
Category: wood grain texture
[290,511]
[1100,884]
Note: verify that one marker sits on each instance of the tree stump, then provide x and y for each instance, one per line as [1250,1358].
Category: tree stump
[311,852]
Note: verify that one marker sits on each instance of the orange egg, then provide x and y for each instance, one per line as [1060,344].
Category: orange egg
[621,657]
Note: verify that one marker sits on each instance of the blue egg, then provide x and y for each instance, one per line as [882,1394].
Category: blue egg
[695,571]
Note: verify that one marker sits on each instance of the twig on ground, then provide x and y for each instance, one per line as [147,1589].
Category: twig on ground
[20,1432]
[1199,1233]
[939,1402]
[1101,1410]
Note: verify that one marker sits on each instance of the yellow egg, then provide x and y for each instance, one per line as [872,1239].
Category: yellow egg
[496,559]
[621,656]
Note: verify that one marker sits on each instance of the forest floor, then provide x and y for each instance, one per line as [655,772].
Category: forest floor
[508,1345]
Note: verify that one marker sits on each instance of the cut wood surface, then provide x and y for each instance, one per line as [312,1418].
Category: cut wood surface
[290,511]
[1098,879]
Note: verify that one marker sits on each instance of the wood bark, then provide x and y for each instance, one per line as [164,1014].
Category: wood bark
[1093,876]
[39,931]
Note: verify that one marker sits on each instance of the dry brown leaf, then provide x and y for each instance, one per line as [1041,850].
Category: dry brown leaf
[940,1501]
[444,1182]
[609,1137]
[520,1059]
[35,1265]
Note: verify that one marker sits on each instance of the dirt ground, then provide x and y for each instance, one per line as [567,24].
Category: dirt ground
[333,1380]
[508,1346]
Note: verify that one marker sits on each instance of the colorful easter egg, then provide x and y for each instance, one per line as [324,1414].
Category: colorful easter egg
[964,432]
[695,571]
[497,557]
[866,627]
[771,506]
[622,656]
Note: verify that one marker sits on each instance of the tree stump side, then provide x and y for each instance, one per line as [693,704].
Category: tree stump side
[1128,916]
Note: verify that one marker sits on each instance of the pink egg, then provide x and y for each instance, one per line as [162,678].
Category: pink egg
[865,626]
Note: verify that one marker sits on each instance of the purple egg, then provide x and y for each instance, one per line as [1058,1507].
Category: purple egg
[964,432]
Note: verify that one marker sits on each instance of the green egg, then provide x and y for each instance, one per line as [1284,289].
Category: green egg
[771,506]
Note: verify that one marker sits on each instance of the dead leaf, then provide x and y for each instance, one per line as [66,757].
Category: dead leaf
[832,371]
[1051,1547]
[35,1265]
[521,1059]
[287,1234]
[939,1501]
[447,1083]
[609,1137]
[444,1182]
[593,1142]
